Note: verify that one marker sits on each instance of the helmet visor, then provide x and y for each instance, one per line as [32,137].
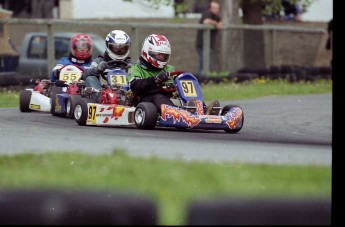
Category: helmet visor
[159,56]
[82,47]
[119,49]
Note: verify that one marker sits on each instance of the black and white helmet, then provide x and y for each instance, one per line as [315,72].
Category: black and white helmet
[118,44]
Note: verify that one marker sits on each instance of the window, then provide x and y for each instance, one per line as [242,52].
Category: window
[38,47]
[61,47]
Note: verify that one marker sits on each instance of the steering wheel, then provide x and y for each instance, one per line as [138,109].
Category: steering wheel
[176,73]
[164,88]
[119,63]
[116,63]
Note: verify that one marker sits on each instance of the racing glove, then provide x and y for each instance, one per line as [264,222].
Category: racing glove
[56,73]
[102,66]
[161,78]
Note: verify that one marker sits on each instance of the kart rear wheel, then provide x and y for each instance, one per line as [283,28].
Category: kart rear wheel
[24,101]
[70,105]
[54,92]
[225,110]
[80,110]
[145,115]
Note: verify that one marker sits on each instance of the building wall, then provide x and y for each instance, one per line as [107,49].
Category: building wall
[65,9]
[101,9]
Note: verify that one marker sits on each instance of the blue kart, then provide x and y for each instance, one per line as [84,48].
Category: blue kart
[185,86]
[66,90]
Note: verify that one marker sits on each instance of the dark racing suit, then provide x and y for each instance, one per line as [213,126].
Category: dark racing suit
[92,76]
[142,83]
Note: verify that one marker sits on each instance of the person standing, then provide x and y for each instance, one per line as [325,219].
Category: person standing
[292,10]
[329,44]
[210,16]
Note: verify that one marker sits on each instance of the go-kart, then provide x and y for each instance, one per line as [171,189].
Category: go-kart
[114,106]
[184,87]
[66,90]
[36,98]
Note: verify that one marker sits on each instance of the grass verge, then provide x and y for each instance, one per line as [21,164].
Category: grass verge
[263,87]
[172,184]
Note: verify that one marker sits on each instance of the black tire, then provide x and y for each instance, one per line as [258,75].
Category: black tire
[70,105]
[145,115]
[225,110]
[259,212]
[24,101]
[54,92]
[76,207]
[80,110]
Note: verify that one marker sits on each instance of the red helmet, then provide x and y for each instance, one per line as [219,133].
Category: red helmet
[81,46]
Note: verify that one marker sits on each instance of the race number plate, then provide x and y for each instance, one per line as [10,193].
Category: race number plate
[70,77]
[91,116]
[188,88]
[118,79]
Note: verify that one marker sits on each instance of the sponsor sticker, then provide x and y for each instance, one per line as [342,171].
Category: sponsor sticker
[35,107]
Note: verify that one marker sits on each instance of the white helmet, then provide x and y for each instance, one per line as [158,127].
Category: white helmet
[118,44]
[156,50]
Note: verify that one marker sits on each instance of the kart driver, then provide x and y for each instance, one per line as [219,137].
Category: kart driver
[80,54]
[117,48]
[152,70]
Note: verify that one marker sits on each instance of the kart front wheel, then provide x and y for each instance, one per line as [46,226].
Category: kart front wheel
[70,105]
[24,101]
[239,122]
[145,115]
[81,111]
[54,92]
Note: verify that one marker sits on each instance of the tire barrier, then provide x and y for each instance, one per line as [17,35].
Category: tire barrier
[12,78]
[259,212]
[57,207]
[63,207]
[292,73]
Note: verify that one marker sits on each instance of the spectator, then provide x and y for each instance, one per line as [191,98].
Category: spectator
[330,35]
[329,44]
[210,16]
[292,11]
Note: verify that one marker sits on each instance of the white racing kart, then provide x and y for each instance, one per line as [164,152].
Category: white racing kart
[114,107]
[38,98]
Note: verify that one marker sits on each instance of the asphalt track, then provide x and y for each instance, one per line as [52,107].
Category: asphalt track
[277,130]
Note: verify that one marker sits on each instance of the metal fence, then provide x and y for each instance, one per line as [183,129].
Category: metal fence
[186,32]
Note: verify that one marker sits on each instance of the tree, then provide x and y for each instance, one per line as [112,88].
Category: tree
[253,54]
[253,41]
